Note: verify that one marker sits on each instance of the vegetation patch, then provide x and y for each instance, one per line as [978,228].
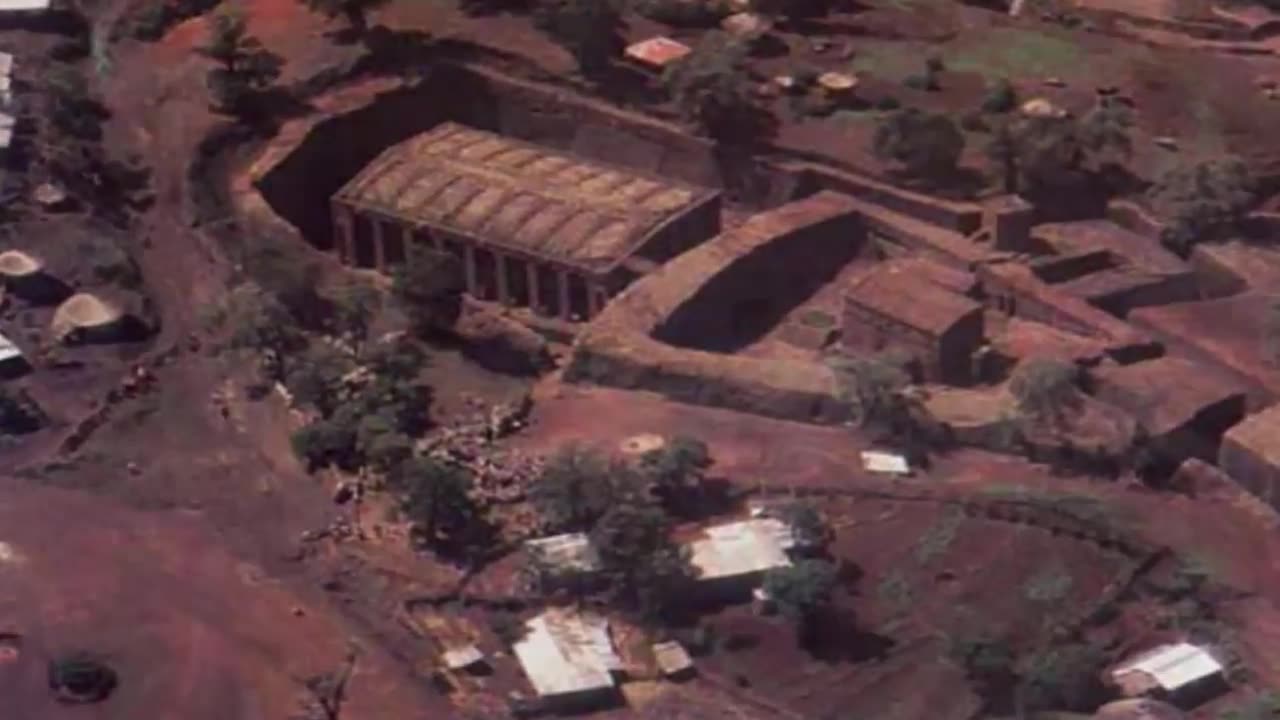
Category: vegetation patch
[939,538]
[1050,585]
[1009,52]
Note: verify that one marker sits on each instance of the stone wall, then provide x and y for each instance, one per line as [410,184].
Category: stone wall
[620,347]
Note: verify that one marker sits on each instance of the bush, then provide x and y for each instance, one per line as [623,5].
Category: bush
[1043,388]
[928,145]
[888,103]
[1001,98]
[1203,201]
[677,13]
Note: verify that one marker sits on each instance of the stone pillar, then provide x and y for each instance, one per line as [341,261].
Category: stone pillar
[500,272]
[469,265]
[535,297]
[593,300]
[564,311]
[379,243]
[344,234]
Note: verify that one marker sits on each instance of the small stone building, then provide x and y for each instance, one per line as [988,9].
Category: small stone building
[534,227]
[1184,407]
[1250,453]
[895,308]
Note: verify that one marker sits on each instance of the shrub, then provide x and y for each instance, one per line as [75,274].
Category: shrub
[1001,98]
[926,144]
[1044,388]
[1203,201]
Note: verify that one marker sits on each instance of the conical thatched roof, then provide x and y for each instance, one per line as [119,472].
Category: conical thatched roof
[17,264]
[1138,709]
[84,311]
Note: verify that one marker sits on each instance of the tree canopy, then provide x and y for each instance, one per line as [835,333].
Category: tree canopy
[809,527]
[1203,200]
[710,86]
[591,30]
[245,69]
[434,495]
[644,567]
[676,469]
[574,489]
[354,11]
[428,287]
[803,591]
[1044,388]
[927,145]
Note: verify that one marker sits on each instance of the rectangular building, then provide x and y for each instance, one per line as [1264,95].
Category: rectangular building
[569,659]
[534,227]
[897,307]
[734,557]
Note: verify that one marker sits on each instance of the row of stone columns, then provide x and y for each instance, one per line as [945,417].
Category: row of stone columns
[344,221]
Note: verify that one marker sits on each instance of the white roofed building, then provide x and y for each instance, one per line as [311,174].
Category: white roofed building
[569,658]
[1176,671]
[739,553]
[12,361]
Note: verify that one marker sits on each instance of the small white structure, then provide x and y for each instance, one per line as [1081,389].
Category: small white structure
[24,5]
[885,462]
[672,659]
[656,53]
[463,658]
[567,554]
[742,549]
[12,361]
[569,657]
[1169,669]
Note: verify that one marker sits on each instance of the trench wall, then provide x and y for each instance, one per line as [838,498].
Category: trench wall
[621,347]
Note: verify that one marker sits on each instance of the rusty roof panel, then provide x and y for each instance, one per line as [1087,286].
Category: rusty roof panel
[481,207]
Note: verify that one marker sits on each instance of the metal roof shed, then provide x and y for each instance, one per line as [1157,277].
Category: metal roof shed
[742,548]
[568,657]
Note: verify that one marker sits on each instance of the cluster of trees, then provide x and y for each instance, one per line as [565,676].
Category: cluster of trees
[245,72]
[628,509]
[879,390]
[927,145]
[1063,678]
[804,592]
[1203,200]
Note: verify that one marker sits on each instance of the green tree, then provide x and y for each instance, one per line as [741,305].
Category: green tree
[1001,98]
[874,385]
[988,662]
[644,567]
[381,443]
[1002,149]
[927,145]
[677,468]
[354,306]
[1202,201]
[435,496]
[807,524]
[802,591]
[591,30]
[428,287]
[245,69]
[1043,388]
[710,86]
[259,322]
[1105,132]
[574,489]
[1051,154]
[355,12]
[1065,678]
[327,441]
[318,378]
[73,110]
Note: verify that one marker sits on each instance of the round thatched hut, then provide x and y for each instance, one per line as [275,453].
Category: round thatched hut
[86,318]
[25,276]
[1138,709]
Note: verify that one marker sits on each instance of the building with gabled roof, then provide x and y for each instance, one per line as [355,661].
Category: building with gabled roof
[1181,672]
[533,226]
[897,306]
[569,658]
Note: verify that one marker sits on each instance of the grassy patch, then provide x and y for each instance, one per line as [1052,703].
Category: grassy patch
[1050,585]
[895,591]
[888,61]
[1013,52]
[817,319]
[939,538]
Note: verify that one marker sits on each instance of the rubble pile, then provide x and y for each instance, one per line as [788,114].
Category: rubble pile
[502,475]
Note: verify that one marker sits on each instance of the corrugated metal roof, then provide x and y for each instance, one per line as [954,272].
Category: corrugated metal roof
[515,194]
[884,462]
[741,548]
[17,5]
[565,653]
[658,51]
[1174,666]
[8,349]
[571,552]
